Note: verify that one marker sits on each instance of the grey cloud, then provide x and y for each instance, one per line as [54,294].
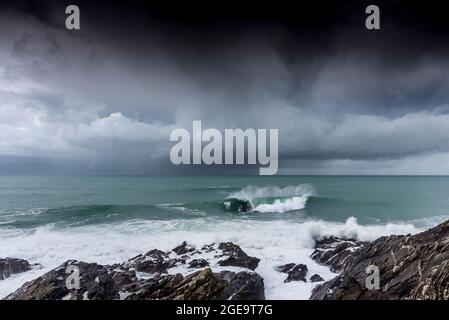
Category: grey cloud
[106,99]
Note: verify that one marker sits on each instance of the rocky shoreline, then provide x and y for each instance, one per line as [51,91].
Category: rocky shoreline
[11,266]
[410,267]
[146,277]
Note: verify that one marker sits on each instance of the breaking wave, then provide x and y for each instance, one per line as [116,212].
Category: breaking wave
[280,243]
[270,199]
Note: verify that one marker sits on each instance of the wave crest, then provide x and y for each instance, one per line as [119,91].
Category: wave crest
[271,199]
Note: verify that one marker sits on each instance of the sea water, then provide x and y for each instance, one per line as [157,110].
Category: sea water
[48,220]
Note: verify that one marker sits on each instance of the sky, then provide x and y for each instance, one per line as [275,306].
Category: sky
[104,99]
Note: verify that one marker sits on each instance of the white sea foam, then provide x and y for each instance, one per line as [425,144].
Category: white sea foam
[274,199]
[254,192]
[280,206]
[17,213]
[179,207]
[164,205]
[274,242]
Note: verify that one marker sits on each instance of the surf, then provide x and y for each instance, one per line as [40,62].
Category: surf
[270,199]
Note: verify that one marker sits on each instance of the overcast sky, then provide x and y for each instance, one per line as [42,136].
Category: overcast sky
[103,100]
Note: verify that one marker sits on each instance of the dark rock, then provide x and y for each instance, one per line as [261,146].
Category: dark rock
[11,266]
[316,278]
[411,267]
[346,288]
[96,283]
[159,288]
[203,285]
[242,286]
[237,257]
[154,261]
[285,268]
[120,281]
[104,288]
[124,278]
[183,249]
[297,273]
[198,263]
[334,252]
[208,248]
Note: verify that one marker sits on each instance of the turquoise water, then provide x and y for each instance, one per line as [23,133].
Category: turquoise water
[49,220]
[28,202]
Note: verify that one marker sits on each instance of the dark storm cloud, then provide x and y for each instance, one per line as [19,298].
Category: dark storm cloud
[324,47]
[105,98]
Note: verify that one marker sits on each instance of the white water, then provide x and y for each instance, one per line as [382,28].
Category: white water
[281,206]
[291,198]
[275,243]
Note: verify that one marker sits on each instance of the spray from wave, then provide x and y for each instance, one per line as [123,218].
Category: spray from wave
[271,199]
[280,243]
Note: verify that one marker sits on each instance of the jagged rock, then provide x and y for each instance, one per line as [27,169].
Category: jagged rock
[295,272]
[316,278]
[242,286]
[183,249]
[285,268]
[198,263]
[208,248]
[122,281]
[411,267]
[334,252]
[203,285]
[346,288]
[154,261]
[9,266]
[237,257]
[124,278]
[96,282]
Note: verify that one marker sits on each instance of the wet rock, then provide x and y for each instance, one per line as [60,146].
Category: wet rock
[124,278]
[346,288]
[242,286]
[145,277]
[154,261]
[411,267]
[95,283]
[198,263]
[295,272]
[9,266]
[208,248]
[285,268]
[237,257]
[334,252]
[316,278]
[203,285]
[183,249]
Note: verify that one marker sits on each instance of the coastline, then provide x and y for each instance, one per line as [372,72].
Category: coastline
[344,260]
[277,243]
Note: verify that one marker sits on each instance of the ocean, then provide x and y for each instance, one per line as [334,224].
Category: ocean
[48,220]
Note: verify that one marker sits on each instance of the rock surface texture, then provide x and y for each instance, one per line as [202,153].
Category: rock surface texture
[410,267]
[294,272]
[148,277]
[9,266]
